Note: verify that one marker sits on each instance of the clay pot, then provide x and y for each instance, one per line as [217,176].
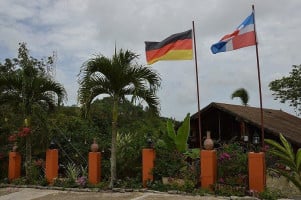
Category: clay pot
[94,146]
[208,143]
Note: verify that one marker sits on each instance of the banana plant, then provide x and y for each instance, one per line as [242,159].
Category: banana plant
[287,157]
[180,137]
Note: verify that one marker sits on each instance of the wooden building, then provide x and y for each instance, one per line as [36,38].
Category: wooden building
[226,121]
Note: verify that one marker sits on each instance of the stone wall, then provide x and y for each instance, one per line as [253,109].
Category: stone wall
[282,184]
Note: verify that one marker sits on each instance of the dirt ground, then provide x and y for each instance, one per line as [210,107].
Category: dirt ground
[8,190]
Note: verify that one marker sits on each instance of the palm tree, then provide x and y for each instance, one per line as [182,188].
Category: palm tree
[29,87]
[242,94]
[119,77]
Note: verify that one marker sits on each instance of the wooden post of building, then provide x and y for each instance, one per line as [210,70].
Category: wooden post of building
[148,158]
[94,170]
[208,168]
[257,175]
[52,164]
[14,165]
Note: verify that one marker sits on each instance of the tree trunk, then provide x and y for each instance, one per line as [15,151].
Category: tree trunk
[114,145]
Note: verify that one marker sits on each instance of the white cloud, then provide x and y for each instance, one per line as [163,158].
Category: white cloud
[77,30]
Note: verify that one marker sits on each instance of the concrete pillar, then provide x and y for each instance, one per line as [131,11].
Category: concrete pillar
[257,169]
[52,164]
[94,167]
[14,165]
[208,168]
[148,158]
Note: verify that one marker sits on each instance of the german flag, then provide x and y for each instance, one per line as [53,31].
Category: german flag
[176,47]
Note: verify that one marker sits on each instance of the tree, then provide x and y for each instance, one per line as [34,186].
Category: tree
[242,94]
[28,88]
[289,88]
[118,77]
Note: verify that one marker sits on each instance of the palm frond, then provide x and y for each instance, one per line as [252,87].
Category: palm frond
[242,94]
[287,147]
[283,151]
[119,77]
[287,157]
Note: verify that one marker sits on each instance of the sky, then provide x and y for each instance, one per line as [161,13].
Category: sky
[77,30]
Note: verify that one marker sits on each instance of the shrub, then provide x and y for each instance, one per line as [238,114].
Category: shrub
[232,165]
[168,163]
[82,181]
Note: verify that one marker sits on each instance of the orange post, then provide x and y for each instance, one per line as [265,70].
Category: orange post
[148,158]
[257,176]
[52,164]
[14,165]
[208,168]
[94,170]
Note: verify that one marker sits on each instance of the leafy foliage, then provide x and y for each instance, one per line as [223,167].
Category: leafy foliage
[242,94]
[287,157]
[119,77]
[169,163]
[232,165]
[172,153]
[27,88]
[287,89]
[129,154]
[180,138]
[72,172]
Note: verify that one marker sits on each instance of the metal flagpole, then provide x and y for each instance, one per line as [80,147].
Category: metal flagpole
[197,85]
[259,80]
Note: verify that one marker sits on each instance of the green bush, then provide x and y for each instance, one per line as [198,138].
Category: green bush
[169,163]
[173,158]
[270,195]
[19,181]
[132,183]
[232,165]
[36,174]
[129,148]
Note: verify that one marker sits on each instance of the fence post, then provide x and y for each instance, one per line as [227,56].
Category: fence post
[14,165]
[148,158]
[257,176]
[94,170]
[208,168]
[52,164]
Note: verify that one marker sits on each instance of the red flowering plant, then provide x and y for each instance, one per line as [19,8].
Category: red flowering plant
[23,132]
[232,165]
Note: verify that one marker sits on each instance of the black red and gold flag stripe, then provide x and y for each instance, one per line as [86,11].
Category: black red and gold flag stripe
[176,47]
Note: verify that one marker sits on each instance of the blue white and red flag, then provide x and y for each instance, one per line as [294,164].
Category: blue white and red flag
[243,36]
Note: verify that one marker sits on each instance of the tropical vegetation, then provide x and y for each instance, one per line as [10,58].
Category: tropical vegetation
[233,164]
[120,109]
[119,77]
[287,158]
[173,158]
[26,87]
